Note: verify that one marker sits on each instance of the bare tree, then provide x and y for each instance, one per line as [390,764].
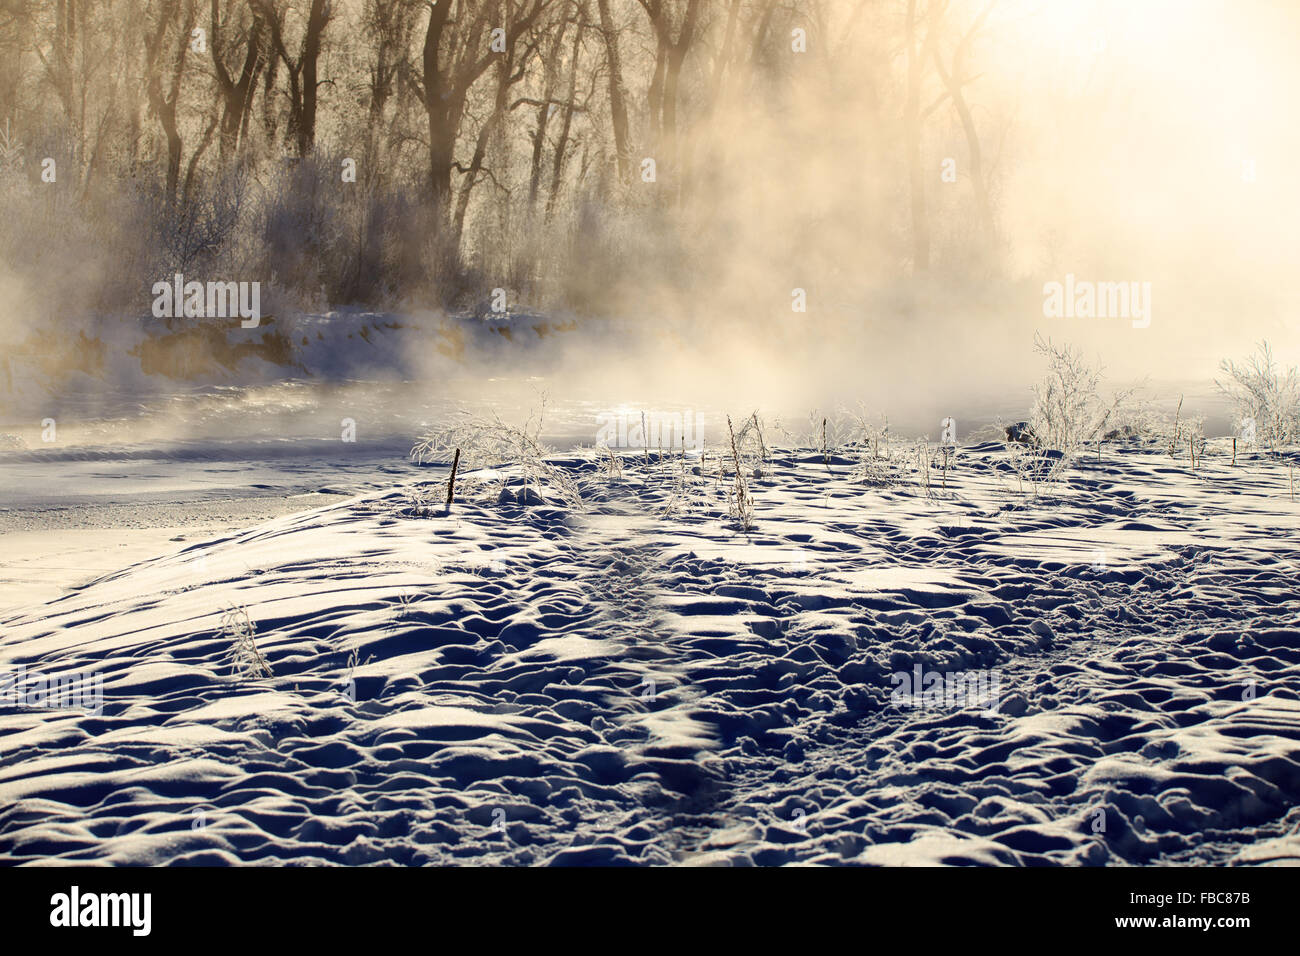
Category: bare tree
[511,66]
[916,57]
[301,69]
[162,58]
[674,38]
[457,51]
[568,108]
[617,95]
[387,29]
[226,36]
[545,107]
[954,79]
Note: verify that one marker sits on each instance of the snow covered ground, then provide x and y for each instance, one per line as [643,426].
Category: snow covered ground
[642,681]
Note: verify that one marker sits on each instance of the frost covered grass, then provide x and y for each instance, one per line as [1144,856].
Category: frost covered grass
[1069,411]
[1072,421]
[486,441]
[246,660]
[740,502]
[420,503]
[1264,394]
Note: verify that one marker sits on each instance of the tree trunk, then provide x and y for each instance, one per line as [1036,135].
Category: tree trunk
[164,104]
[562,146]
[617,103]
[311,45]
[544,116]
[670,55]
[953,82]
[236,95]
[481,145]
[912,132]
[442,138]
[655,95]
[672,78]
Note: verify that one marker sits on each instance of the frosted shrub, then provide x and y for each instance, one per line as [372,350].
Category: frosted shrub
[1264,394]
[740,501]
[486,441]
[246,660]
[1068,410]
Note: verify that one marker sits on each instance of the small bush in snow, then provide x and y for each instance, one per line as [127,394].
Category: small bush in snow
[486,441]
[246,660]
[611,461]
[750,450]
[1068,410]
[740,502]
[876,464]
[419,504]
[1265,394]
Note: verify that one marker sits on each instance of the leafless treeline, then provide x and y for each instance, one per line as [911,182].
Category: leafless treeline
[513,142]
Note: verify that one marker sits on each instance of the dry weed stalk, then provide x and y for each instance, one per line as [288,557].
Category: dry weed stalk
[246,660]
[741,505]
